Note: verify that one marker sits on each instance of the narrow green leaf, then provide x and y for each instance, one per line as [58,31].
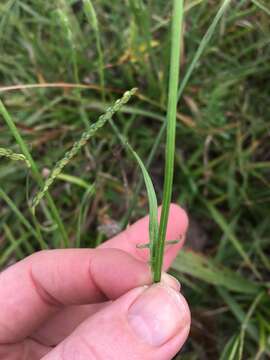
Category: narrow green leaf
[84,207]
[152,199]
[230,348]
[13,247]
[237,311]
[245,323]
[205,269]
[203,43]
[153,209]
[17,212]
[75,180]
[261,6]
[10,237]
[219,219]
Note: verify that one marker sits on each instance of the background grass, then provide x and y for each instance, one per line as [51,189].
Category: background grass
[222,168]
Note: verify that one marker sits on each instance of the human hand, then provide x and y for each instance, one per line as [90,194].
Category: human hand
[81,304]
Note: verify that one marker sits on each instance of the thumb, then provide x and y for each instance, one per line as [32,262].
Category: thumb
[146,323]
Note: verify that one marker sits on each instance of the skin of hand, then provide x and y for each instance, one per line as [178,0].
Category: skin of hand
[81,304]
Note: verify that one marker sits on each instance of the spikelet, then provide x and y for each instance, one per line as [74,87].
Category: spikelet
[80,143]
[14,156]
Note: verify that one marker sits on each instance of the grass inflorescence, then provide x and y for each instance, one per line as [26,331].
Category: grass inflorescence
[80,143]
[13,156]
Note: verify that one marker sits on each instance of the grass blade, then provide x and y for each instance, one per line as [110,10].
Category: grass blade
[84,207]
[204,42]
[230,348]
[10,237]
[177,19]
[153,210]
[261,6]
[237,311]
[152,199]
[23,219]
[80,143]
[140,182]
[13,247]
[219,219]
[74,180]
[206,270]
[246,321]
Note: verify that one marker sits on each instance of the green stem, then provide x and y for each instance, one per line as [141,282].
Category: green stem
[177,20]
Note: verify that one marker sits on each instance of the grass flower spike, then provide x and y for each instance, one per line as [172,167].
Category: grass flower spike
[80,143]
[14,156]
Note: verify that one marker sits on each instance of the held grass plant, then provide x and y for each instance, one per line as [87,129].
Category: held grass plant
[222,144]
[157,233]
[191,68]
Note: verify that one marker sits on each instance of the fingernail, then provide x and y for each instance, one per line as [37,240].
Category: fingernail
[170,281]
[158,314]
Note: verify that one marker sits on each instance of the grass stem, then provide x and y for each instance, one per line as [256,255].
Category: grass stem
[177,21]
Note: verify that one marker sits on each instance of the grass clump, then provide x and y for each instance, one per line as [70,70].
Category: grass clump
[24,148]
[57,75]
